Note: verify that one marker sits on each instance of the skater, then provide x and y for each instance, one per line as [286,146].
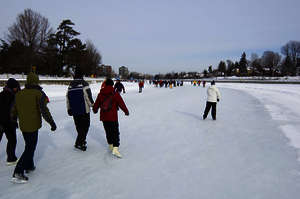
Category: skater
[109,102]
[119,87]
[141,86]
[213,96]
[79,100]
[7,125]
[31,104]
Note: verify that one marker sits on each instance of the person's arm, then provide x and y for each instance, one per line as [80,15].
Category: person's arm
[45,111]
[96,104]
[121,104]
[88,95]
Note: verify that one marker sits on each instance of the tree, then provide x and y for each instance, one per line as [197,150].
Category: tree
[69,48]
[243,64]
[230,67]
[31,28]
[93,58]
[222,67]
[291,49]
[270,60]
[288,67]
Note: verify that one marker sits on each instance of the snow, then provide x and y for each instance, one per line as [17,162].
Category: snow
[250,151]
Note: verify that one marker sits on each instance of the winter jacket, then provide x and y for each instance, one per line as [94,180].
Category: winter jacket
[117,101]
[7,100]
[213,94]
[79,97]
[119,87]
[31,106]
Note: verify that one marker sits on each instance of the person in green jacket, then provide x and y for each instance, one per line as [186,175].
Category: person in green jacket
[30,107]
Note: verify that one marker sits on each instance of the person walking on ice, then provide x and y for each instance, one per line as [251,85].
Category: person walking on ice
[109,103]
[213,96]
[7,124]
[79,101]
[31,104]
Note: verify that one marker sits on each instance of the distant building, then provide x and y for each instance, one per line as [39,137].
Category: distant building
[123,72]
[105,71]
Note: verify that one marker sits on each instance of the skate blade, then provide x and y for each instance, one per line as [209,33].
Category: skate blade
[117,156]
[18,181]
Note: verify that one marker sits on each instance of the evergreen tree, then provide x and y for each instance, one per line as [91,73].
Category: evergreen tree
[243,65]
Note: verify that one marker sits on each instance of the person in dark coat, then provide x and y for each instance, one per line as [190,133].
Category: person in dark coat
[119,87]
[109,114]
[79,100]
[7,125]
[29,108]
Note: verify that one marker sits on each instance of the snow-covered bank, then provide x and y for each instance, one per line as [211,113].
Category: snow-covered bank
[169,151]
[283,104]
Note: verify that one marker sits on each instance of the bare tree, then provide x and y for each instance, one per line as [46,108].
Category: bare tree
[31,28]
[292,49]
[270,60]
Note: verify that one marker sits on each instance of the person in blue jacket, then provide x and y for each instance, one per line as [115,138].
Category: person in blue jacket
[79,101]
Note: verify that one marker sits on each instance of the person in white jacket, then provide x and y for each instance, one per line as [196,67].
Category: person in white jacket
[213,96]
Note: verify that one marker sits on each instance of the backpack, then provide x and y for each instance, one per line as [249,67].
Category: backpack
[106,105]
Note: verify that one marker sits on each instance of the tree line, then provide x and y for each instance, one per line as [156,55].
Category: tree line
[269,64]
[31,41]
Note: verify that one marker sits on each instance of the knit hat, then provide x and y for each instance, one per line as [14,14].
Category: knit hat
[213,82]
[32,79]
[12,83]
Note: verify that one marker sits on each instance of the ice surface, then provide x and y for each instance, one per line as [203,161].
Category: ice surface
[168,150]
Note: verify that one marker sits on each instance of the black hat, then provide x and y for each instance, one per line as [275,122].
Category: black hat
[213,82]
[12,83]
[109,82]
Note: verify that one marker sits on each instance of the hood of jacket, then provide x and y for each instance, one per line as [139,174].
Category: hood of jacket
[32,79]
[107,90]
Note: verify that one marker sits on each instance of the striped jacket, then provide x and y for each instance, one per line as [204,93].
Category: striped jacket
[79,97]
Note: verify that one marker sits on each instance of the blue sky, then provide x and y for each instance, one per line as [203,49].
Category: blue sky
[161,36]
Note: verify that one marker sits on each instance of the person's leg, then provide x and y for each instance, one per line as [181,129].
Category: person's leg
[108,132]
[206,111]
[115,134]
[11,144]
[85,129]
[214,111]
[79,124]
[26,160]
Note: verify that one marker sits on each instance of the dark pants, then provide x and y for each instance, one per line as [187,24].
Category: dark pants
[82,123]
[10,133]
[26,160]
[112,133]
[213,111]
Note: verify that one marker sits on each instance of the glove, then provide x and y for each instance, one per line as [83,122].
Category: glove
[127,113]
[53,127]
[218,100]
[70,112]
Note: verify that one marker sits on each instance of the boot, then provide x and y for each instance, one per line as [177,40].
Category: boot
[19,178]
[116,152]
[110,146]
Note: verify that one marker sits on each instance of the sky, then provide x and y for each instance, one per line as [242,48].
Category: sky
[161,36]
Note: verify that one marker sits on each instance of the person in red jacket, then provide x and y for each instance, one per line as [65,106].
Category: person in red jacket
[109,102]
